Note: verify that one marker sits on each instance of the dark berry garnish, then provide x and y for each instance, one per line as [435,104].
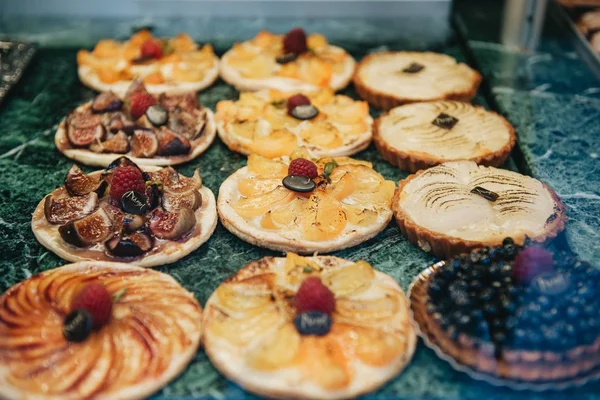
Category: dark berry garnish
[295,41]
[313,323]
[297,183]
[305,112]
[532,262]
[77,325]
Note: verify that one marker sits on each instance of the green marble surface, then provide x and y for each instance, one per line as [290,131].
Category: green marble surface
[30,167]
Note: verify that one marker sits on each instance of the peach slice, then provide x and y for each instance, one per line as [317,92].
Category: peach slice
[380,197]
[246,295]
[315,41]
[341,184]
[333,370]
[244,129]
[263,167]
[365,179]
[372,346]
[322,134]
[278,117]
[359,215]
[299,268]
[369,310]
[258,67]
[275,350]
[287,214]
[277,144]
[349,279]
[345,110]
[252,187]
[107,48]
[321,97]
[183,43]
[344,161]
[322,218]
[255,206]
[315,70]
[240,331]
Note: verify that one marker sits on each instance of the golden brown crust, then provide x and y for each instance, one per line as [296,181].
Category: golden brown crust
[416,161]
[518,366]
[444,246]
[386,102]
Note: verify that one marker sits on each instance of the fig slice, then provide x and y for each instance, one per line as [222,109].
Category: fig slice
[172,225]
[83,137]
[174,202]
[117,144]
[106,102]
[175,183]
[144,144]
[119,122]
[78,183]
[171,144]
[117,217]
[187,102]
[187,124]
[95,228]
[133,245]
[61,211]
[133,222]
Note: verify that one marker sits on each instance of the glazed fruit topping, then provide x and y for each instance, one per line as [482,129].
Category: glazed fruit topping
[157,115]
[303,167]
[125,179]
[313,295]
[445,121]
[133,245]
[313,323]
[295,41]
[106,102]
[77,326]
[139,104]
[297,183]
[532,262]
[95,299]
[152,49]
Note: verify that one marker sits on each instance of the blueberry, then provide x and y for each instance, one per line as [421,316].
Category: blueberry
[508,305]
[594,323]
[434,287]
[510,323]
[475,284]
[550,315]
[585,292]
[313,323]
[520,335]
[572,312]
[486,294]
[476,314]
[550,334]
[490,309]
[589,310]
[507,241]
[77,325]
[465,320]
[475,256]
[456,263]
[485,260]
[510,250]
[544,301]
[499,337]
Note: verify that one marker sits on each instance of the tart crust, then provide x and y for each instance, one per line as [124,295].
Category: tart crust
[542,369]
[386,101]
[445,246]
[415,161]
[170,252]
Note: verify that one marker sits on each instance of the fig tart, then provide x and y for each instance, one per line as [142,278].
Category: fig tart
[291,62]
[305,206]
[311,328]
[273,124]
[389,79]
[457,206]
[145,216]
[512,315]
[150,129]
[174,66]
[95,330]
[420,135]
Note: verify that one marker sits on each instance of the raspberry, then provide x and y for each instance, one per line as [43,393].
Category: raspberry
[303,167]
[95,299]
[295,41]
[124,179]
[295,101]
[532,262]
[313,295]
[139,104]
[151,49]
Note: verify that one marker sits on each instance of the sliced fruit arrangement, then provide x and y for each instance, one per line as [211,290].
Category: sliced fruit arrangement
[151,130]
[312,328]
[95,330]
[294,61]
[515,315]
[305,206]
[273,123]
[166,65]
[148,217]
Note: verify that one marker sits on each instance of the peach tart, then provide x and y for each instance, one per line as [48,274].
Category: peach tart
[166,65]
[265,329]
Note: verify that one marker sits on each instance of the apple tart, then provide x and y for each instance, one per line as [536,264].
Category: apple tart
[291,62]
[389,79]
[256,334]
[49,350]
[458,206]
[344,203]
[273,124]
[166,65]
[147,217]
[420,135]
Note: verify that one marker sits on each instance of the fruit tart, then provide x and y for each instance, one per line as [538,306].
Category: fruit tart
[151,130]
[513,315]
[305,206]
[144,216]
[167,65]
[420,135]
[95,330]
[273,124]
[291,62]
[311,328]
[458,206]
[389,79]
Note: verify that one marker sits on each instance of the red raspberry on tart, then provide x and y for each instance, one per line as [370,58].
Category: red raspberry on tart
[140,103]
[94,298]
[313,295]
[151,49]
[124,179]
[303,167]
[295,41]
[295,101]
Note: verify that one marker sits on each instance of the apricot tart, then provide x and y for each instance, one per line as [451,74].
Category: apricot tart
[167,65]
[511,315]
[291,62]
[273,124]
[457,206]
[389,79]
[50,350]
[343,204]
[147,217]
[420,135]
[150,130]
[263,328]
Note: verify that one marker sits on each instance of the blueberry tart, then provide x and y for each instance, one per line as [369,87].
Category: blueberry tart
[273,124]
[291,62]
[389,79]
[420,135]
[96,330]
[310,328]
[150,129]
[145,216]
[513,315]
[458,206]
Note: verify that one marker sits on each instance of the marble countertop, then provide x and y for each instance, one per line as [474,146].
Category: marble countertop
[551,96]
